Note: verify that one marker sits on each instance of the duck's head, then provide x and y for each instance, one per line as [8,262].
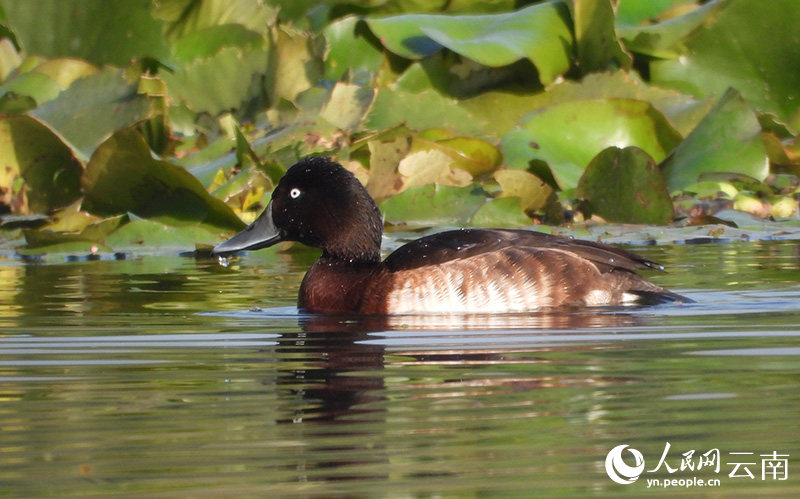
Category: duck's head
[320,204]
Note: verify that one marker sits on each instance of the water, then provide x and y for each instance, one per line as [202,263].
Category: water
[152,375]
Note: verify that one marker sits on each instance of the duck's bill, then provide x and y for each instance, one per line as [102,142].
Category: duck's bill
[259,234]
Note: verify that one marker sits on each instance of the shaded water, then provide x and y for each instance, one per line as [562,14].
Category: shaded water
[152,375]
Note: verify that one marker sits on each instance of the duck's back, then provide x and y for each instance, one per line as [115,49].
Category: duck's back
[497,271]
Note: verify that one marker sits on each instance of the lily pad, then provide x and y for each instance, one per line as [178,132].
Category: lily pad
[208,41]
[31,152]
[596,38]
[531,191]
[433,205]
[183,18]
[539,33]
[626,186]
[347,105]
[140,233]
[750,51]
[218,83]
[350,50]
[727,140]
[501,212]
[122,177]
[420,111]
[109,32]
[666,39]
[502,110]
[93,108]
[567,136]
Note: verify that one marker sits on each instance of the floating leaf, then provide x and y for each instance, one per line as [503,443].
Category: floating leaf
[184,17]
[502,110]
[208,41]
[350,50]
[626,186]
[539,33]
[596,38]
[32,152]
[347,105]
[93,108]
[427,166]
[140,233]
[527,187]
[750,51]
[567,136]
[217,83]
[296,67]
[727,140]
[431,205]
[474,156]
[122,177]
[666,39]
[65,71]
[38,87]
[108,32]
[420,111]
[501,212]
[385,156]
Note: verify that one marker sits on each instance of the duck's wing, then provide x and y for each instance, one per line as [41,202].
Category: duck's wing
[465,243]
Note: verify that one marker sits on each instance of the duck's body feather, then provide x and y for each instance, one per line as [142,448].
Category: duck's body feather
[483,271]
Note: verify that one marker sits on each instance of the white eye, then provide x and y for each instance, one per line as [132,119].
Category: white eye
[295,193]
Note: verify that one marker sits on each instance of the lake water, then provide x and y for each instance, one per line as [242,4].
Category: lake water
[174,376]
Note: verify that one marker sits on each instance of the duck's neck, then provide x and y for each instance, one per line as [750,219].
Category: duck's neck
[333,284]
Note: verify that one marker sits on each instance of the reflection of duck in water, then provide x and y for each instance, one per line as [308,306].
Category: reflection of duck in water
[320,204]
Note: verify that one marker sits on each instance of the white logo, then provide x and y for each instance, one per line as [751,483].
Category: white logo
[615,466]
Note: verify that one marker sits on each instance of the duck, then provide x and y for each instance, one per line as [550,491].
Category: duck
[321,204]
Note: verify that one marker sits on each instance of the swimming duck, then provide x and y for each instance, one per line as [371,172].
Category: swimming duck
[321,204]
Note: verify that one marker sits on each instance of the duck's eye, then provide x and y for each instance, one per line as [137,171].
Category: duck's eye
[295,193]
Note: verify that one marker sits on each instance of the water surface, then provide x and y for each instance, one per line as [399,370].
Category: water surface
[177,377]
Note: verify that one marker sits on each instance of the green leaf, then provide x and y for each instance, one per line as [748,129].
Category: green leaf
[188,16]
[93,108]
[65,71]
[751,51]
[107,32]
[528,188]
[140,233]
[218,83]
[502,110]
[626,186]
[539,33]
[666,39]
[384,157]
[596,38]
[350,50]
[297,67]
[432,205]
[635,12]
[567,136]
[420,111]
[122,177]
[28,149]
[347,105]
[39,87]
[727,140]
[208,41]
[501,212]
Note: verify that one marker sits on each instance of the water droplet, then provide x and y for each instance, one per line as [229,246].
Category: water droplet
[223,260]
